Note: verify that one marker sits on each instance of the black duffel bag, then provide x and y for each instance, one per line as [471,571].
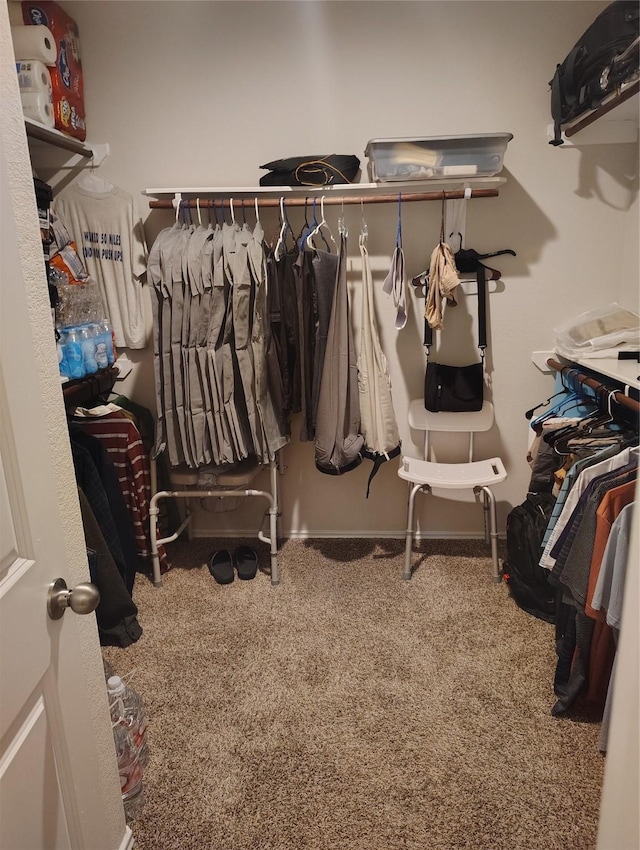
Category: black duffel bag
[605,57]
[311,170]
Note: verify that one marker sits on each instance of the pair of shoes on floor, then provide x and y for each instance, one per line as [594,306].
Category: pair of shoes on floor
[221,564]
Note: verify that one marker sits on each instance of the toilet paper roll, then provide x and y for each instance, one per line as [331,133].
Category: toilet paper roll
[34,77]
[34,42]
[38,107]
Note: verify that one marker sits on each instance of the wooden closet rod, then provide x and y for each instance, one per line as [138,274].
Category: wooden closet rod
[329,200]
[594,383]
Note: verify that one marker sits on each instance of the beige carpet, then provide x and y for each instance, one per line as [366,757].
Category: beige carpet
[349,709]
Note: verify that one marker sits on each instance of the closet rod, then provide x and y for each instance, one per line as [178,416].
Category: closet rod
[332,199]
[594,383]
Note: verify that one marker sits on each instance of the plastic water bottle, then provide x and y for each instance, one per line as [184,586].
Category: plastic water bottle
[133,715]
[104,341]
[88,344]
[102,354]
[73,354]
[129,766]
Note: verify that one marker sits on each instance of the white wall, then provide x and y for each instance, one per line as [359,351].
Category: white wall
[202,93]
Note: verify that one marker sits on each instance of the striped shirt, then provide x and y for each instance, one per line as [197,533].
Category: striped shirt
[122,440]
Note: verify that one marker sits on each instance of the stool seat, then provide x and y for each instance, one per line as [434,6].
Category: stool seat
[453,476]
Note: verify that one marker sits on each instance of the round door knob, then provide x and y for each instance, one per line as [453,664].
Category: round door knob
[83,598]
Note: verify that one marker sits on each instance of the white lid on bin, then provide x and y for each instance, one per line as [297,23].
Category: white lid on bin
[504,137]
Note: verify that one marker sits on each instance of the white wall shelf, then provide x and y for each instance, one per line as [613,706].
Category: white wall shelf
[96,153]
[344,193]
[615,121]
[346,189]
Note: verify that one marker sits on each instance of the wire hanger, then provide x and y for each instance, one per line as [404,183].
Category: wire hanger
[233,217]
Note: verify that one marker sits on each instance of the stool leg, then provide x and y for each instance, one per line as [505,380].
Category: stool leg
[486,518]
[488,493]
[408,540]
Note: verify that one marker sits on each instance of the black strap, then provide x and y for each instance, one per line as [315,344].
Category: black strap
[482,313]
[340,470]
[556,109]
[378,459]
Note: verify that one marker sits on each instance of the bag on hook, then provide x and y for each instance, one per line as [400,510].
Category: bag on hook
[457,389]
[311,170]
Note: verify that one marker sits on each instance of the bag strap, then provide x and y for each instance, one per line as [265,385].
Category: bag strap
[317,166]
[482,315]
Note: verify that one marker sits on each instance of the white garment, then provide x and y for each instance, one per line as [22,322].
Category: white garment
[587,475]
[108,234]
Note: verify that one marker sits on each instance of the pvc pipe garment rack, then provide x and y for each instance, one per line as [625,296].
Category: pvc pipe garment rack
[329,199]
[594,383]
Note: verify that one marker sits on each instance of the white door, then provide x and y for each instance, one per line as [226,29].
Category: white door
[59,784]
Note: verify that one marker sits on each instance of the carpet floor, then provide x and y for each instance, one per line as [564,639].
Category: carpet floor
[350,709]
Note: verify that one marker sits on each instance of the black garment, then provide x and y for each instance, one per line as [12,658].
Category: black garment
[307,324]
[546,463]
[88,480]
[117,506]
[291,353]
[116,613]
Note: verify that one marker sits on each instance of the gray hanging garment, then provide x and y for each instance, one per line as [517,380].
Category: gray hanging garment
[338,445]
[379,426]
[394,283]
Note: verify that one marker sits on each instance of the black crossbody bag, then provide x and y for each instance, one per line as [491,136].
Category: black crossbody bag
[458,389]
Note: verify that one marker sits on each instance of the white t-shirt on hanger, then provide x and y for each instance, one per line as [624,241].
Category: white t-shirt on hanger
[108,233]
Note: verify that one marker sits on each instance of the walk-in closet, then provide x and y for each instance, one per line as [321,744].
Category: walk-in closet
[358,326]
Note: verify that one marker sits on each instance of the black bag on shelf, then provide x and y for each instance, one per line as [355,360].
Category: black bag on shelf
[311,170]
[458,389]
[604,57]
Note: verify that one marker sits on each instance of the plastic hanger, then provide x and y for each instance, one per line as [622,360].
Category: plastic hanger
[319,230]
[532,410]
[364,229]
[282,238]
[342,224]
[92,182]
[306,227]
[255,200]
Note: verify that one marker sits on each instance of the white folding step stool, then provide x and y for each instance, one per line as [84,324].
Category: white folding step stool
[430,477]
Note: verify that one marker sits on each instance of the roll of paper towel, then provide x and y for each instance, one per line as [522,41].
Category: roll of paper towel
[38,107]
[35,42]
[34,76]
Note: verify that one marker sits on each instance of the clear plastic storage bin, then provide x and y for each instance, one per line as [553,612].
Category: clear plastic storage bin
[438,157]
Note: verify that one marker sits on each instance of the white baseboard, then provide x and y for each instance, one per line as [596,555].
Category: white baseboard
[201,533]
[128,841]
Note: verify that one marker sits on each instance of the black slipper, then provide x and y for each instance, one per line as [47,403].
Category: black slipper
[246,562]
[221,566]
